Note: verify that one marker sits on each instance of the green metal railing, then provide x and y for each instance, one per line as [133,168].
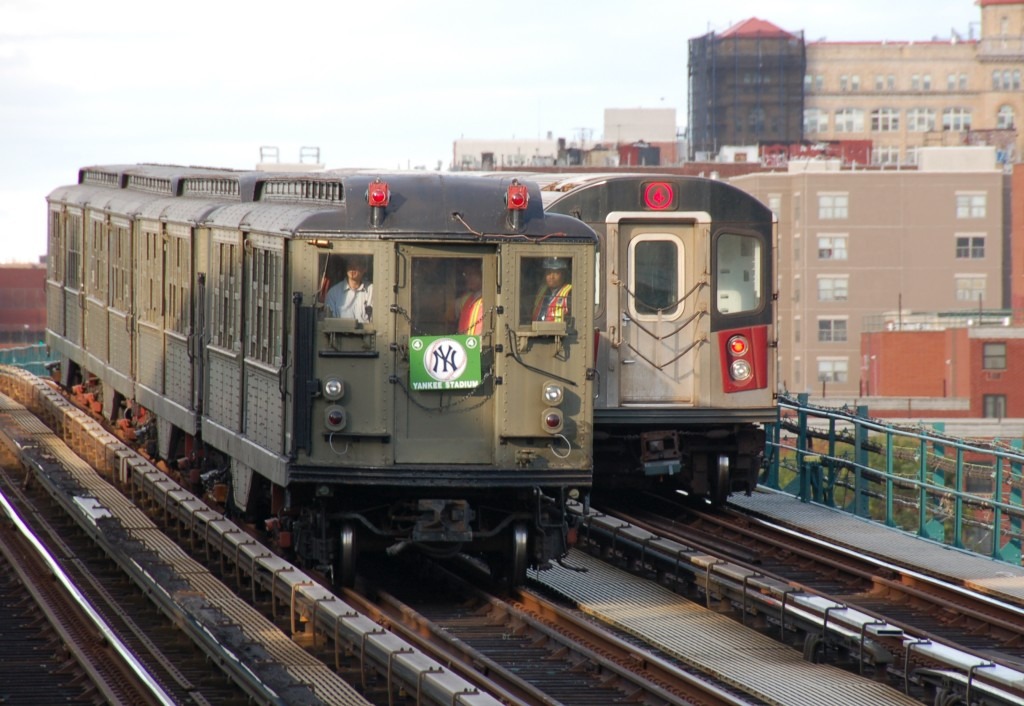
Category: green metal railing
[961,492]
[33,358]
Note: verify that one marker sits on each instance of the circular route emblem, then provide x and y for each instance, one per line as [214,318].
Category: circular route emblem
[658,195]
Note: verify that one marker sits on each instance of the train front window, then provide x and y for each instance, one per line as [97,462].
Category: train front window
[448,296]
[737,273]
[346,286]
[545,289]
[655,274]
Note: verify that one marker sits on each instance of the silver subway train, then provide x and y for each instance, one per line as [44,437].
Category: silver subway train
[366,361]
[685,313]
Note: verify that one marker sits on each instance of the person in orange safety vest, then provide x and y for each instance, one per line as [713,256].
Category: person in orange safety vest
[471,312]
[552,302]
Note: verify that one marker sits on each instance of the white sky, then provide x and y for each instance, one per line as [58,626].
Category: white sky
[388,84]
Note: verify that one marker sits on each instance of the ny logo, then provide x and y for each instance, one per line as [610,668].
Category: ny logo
[444,359]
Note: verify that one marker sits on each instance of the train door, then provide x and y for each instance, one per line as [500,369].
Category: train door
[660,275]
[444,389]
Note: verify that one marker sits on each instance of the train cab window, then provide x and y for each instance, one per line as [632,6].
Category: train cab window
[545,285]
[655,274]
[737,278]
[448,296]
[347,286]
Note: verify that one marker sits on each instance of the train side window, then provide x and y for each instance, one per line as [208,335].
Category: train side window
[346,286]
[545,289]
[737,273]
[655,275]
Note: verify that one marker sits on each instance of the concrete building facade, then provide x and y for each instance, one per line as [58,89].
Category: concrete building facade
[854,244]
[904,95]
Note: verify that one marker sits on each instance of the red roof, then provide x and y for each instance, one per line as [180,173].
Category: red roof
[757,28]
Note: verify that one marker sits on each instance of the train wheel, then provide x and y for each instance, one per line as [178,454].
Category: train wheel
[720,481]
[345,564]
[518,555]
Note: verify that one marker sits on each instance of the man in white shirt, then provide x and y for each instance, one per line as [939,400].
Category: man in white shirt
[351,298]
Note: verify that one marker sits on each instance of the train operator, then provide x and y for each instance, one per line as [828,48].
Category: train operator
[351,298]
[552,302]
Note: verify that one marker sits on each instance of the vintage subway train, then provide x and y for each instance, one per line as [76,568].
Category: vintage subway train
[298,337]
[685,307]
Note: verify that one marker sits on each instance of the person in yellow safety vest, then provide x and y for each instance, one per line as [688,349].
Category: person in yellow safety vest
[552,302]
[471,312]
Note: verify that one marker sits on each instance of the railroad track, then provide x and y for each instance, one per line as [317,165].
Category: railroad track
[378,665]
[925,636]
[536,649]
[118,642]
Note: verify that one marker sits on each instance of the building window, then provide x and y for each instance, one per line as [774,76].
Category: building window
[775,203]
[833,206]
[920,119]
[849,120]
[831,330]
[832,247]
[926,82]
[994,356]
[1005,118]
[796,329]
[813,83]
[970,205]
[885,120]
[993,406]
[833,369]
[970,288]
[855,82]
[815,121]
[885,154]
[833,288]
[915,82]
[843,83]
[970,247]
[1006,80]
[879,82]
[956,119]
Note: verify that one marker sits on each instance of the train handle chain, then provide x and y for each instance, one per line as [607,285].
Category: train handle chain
[454,402]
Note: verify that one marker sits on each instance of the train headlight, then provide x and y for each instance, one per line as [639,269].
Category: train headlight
[551,420]
[334,389]
[335,417]
[552,394]
[740,370]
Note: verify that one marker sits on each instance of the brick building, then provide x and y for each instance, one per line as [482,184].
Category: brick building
[901,95]
[22,304]
[979,363]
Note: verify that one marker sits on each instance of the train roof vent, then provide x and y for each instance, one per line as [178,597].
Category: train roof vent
[219,187]
[319,190]
[152,184]
[100,178]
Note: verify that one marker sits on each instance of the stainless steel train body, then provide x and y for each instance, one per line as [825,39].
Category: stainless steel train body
[208,307]
[685,312]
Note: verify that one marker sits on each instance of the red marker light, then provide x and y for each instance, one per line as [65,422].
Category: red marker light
[518,197]
[737,345]
[378,195]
